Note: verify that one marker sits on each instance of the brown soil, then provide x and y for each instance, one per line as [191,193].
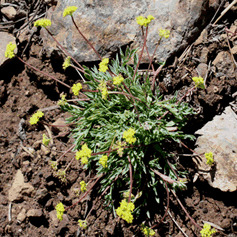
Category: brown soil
[23,91]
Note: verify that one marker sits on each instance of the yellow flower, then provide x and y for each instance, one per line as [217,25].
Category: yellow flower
[209,157]
[104,91]
[103,161]
[164,33]
[103,66]
[69,10]
[82,224]
[63,100]
[143,21]
[199,82]
[45,140]
[118,80]
[83,154]
[207,231]
[147,231]
[42,22]
[60,210]
[67,62]
[9,53]
[35,117]
[76,88]
[83,186]
[125,209]
[129,135]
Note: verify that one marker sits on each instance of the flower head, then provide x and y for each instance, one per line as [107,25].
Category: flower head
[164,33]
[83,186]
[9,53]
[69,10]
[63,100]
[147,231]
[104,91]
[67,62]
[209,157]
[35,117]
[103,161]
[103,66]
[118,80]
[199,82]
[143,21]
[42,22]
[45,140]
[129,135]
[207,231]
[84,154]
[82,224]
[76,88]
[125,209]
[60,210]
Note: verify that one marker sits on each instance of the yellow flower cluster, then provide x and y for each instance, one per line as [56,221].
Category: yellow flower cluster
[9,53]
[199,82]
[42,22]
[83,186]
[118,80]
[69,10]
[104,91]
[124,211]
[84,154]
[82,224]
[207,231]
[103,161]
[143,21]
[129,135]
[35,117]
[45,140]
[76,88]
[67,62]
[147,231]
[209,157]
[60,210]
[103,66]
[63,100]
[164,33]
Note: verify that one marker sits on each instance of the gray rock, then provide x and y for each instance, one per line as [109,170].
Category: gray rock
[34,213]
[9,12]
[5,39]
[110,25]
[22,215]
[220,137]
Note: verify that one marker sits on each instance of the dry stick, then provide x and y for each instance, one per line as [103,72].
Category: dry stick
[167,207]
[44,73]
[177,224]
[139,60]
[228,42]
[88,42]
[164,177]
[66,52]
[191,219]
[131,180]
[85,193]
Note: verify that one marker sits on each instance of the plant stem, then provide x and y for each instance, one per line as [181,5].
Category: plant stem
[88,42]
[131,180]
[66,152]
[44,73]
[139,60]
[66,52]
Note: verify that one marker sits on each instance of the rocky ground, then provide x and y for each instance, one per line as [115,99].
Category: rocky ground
[29,191]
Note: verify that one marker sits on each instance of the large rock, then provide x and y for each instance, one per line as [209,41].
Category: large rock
[220,137]
[111,24]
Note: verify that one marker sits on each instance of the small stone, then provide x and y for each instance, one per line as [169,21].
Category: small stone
[9,12]
[22,215]
[19,188]
[202,69]
[34,213]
